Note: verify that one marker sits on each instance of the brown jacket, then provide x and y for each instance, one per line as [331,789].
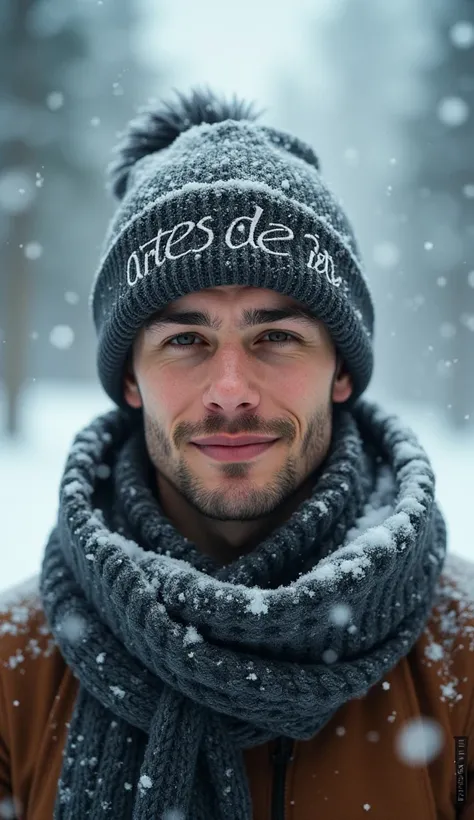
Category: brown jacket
[351,769]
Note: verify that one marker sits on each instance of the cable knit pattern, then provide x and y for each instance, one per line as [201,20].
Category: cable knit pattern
[182,663]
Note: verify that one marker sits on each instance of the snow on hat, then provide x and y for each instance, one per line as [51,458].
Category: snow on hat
[209,197]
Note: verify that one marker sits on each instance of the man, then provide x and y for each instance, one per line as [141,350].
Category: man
[245,609]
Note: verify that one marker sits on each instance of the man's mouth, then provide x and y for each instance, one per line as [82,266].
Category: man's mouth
[242,452]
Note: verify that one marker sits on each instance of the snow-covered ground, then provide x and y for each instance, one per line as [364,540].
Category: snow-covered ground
[30,471]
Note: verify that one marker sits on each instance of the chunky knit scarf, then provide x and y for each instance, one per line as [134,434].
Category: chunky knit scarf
[183,663]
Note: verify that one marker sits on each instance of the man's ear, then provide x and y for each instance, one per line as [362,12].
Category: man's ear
[342,384]
[130,386]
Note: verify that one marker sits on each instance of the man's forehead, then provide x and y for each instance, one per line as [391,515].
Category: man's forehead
[230,293]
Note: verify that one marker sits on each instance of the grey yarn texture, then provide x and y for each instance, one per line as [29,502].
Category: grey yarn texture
[182,663]
[232,203]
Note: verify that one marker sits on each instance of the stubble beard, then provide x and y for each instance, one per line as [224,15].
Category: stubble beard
[238,499]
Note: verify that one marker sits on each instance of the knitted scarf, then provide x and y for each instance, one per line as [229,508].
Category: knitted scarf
[183,663]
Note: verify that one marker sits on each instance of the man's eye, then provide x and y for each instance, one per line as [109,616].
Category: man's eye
[181,336]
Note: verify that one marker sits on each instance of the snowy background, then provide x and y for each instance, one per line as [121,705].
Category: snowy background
[383,92]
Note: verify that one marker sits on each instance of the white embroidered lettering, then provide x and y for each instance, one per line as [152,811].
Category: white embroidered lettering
[147,255]
[239,221]
[322,262]
[146,259]
[133,258]
[266,236]
[159,236]
[209,232]
[172,241]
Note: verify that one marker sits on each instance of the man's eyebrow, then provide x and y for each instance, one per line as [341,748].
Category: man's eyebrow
[250,318]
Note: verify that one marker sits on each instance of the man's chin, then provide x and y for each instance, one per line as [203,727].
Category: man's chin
[238,504]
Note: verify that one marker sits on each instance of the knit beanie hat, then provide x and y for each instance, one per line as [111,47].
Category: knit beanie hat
[209,197]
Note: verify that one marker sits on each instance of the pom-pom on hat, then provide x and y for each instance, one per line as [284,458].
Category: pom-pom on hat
[209,197]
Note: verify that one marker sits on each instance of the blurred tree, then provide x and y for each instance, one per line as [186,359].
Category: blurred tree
[439,202]
[22,125]
[70,79]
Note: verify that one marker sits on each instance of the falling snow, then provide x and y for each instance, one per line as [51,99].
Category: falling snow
[373,736]
[72,627]
[419,741]
[33,250]
[462,34]
[17,191]
[55,100]
[453,111]
[340,614]
[386,255]
[61,337]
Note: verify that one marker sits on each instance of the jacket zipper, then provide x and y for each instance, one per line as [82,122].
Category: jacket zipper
[280,758]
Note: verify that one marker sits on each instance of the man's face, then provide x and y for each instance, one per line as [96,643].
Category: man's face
[276,379]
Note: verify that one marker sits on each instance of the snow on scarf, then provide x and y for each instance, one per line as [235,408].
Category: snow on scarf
[183,663]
